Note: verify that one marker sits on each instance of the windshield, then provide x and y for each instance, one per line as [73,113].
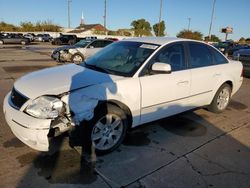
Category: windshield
[121,58]
[82,43]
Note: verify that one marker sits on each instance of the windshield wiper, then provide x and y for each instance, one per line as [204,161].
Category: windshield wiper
[94,67]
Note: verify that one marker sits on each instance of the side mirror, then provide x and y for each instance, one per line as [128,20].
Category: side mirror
[161,68]
[91,47]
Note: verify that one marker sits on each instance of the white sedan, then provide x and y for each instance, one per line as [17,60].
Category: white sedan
[126,84]
[80,51]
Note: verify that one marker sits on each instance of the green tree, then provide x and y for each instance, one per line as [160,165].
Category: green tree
[47,26]
[141,27]
[187,34]
[8,27]
[162,27]
[214,38]
[242,40]
[27,26]
[248,40]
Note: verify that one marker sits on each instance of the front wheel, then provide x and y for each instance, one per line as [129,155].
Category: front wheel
[77,58]
[107,129]
[221,99]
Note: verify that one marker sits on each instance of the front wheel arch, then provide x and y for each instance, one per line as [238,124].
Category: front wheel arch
[122,106]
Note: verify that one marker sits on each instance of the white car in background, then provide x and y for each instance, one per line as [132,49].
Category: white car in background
[126,84]
[80,51]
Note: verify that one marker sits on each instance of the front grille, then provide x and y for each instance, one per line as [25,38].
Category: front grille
[17,99]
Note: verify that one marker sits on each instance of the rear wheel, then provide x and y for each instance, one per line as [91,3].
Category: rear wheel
[77,58]
[221,99]
[107,129]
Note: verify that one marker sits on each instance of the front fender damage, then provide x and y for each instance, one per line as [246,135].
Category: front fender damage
[83,102]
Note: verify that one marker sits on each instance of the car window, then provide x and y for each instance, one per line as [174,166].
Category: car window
[173,55]
[105,43]
[200,55]
[218,57]
[97,44]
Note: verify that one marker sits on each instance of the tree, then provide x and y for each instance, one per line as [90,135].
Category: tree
[141,27]
[248,40]
[27,26]
[196,35]
[7,27]
[242,40]
[162,29]
[214,38]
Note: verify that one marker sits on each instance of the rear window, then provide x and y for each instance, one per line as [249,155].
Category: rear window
[218,57]
[200,55]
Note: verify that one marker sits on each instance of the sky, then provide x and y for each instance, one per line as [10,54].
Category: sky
[120,14]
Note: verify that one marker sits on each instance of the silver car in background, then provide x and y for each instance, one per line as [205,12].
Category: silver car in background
[79,51]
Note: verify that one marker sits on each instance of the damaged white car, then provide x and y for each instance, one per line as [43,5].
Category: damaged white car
[80,51]
[126,84]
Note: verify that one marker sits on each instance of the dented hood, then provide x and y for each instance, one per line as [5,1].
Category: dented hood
[57,80]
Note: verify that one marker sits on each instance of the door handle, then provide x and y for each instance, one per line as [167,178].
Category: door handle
[183,82]
[217,74]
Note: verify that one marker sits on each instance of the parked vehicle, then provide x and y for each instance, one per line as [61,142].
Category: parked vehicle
[128,83]
[14,39]
[43,38]
[65,39]
[29,36]
[80,51]
[243,55]
[111,38]
[224,46]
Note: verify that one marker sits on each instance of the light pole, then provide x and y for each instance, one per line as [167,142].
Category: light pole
[212,18]
[159,24]
[105,15]
[69,1]
[189,21]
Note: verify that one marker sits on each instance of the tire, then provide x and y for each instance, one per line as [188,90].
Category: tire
[106,131]
[221,99]
[77,58]
[23,42]
[1,42]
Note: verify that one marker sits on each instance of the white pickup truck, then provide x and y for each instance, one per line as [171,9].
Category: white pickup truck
[126,84]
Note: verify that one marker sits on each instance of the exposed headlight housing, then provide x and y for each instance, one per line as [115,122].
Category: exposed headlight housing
[45,107]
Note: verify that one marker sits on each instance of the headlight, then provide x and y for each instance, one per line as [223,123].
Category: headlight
[63,51]
[45,107]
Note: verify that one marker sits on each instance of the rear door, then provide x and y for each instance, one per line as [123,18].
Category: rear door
[204,73]
[166,94]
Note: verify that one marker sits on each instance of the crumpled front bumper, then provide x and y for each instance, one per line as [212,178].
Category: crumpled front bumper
[31,131]
[61,57]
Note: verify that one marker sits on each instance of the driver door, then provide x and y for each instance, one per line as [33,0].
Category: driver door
[165,94]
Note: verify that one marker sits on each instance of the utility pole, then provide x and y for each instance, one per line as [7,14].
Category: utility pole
[189,20]
[159,24]
[212,18]
[69,1]
[105,14]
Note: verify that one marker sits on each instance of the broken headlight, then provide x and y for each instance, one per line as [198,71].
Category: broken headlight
[45,107]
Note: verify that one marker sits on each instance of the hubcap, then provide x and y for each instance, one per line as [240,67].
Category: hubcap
[223,99]
[107,132]
[77,59]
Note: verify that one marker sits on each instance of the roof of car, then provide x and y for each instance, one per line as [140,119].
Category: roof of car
[155,40]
